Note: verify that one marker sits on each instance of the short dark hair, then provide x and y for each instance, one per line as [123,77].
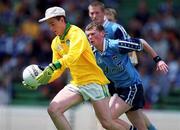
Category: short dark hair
[59,17]
[92,25]
[98,3]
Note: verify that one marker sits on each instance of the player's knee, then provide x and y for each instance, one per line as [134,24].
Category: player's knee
[54,109]
[114,116]
[106,124]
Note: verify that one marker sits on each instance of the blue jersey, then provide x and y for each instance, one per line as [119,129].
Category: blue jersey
[115,31]
[115,62]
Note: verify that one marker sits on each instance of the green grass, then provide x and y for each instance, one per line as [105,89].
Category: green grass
[23,96]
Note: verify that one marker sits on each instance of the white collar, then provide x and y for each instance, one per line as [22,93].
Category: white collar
[104,44]
[105,22]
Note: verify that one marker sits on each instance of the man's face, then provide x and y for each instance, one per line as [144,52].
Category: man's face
[56,26]
[95,37]
[96,14]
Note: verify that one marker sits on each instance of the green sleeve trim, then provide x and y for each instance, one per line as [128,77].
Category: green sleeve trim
[57,64]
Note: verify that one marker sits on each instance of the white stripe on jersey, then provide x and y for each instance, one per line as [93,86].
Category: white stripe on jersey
[130,45]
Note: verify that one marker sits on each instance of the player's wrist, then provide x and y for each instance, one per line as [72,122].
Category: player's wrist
[56,65]
[157,59]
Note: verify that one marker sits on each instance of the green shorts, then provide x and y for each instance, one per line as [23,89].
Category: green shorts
[92,92]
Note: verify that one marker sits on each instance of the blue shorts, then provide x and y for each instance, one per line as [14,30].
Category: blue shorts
[133,95]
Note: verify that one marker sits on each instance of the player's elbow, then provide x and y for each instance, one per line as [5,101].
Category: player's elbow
[143,42]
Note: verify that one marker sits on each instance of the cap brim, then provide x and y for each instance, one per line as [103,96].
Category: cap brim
[46,18]
[43,19]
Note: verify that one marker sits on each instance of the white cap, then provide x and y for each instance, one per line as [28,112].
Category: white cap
[53,12]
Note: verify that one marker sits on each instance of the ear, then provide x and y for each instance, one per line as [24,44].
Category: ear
[62,19]
[102,33]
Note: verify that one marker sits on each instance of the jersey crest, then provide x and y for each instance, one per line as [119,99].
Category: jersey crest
[68,42]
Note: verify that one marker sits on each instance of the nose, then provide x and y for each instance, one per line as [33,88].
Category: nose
[53,29]
[93,15]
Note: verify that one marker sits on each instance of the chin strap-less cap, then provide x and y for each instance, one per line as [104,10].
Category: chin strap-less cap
[53,12]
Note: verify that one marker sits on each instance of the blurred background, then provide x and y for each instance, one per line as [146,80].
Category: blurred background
[23,41]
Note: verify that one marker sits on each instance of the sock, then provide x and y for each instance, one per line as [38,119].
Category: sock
[151,127]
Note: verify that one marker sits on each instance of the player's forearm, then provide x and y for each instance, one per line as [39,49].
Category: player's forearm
[56,74]
[161,65]
[148,48]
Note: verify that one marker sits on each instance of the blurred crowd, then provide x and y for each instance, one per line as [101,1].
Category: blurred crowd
[23,41]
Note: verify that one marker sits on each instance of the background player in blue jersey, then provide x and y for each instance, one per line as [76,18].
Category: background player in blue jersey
[113,31]
[111,15]
[112,57]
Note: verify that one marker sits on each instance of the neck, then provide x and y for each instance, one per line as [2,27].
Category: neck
[67,27]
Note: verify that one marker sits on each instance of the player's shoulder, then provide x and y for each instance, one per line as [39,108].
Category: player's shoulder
[75,30]
[111,43]
[114,24]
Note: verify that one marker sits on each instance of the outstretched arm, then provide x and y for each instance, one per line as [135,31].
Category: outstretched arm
[161,65]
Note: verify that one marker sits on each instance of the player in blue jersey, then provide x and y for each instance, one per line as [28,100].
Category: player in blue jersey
[113,31]
[111,15]
[112,57]
[97,13]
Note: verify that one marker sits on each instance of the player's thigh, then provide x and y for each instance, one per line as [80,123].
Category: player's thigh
[101,108]
[66,99]
[118,106]
[137,119]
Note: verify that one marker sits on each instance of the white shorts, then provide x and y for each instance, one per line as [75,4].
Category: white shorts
[92,92]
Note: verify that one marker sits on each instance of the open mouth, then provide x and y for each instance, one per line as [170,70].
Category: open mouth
[92,42]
